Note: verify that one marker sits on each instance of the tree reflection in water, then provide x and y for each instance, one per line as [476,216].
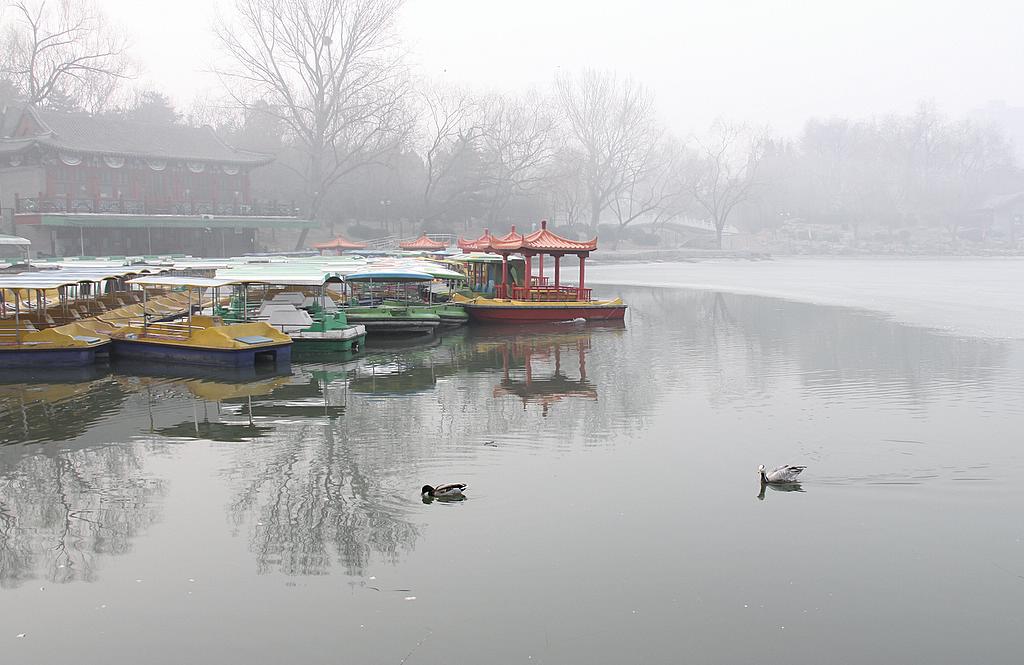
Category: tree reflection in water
[317,495]
[62,508]
[311,497]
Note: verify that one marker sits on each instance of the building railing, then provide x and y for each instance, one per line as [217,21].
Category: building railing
[120,206]
[393,241]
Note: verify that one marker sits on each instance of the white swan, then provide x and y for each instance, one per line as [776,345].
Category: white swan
[786,473]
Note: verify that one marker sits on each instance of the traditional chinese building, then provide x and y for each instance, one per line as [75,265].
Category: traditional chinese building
[76,184]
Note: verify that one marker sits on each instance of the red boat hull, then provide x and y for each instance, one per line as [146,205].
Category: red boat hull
[542,314]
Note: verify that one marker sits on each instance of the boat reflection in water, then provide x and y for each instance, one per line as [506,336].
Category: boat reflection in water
[55,404]
[534,367]
[207,391]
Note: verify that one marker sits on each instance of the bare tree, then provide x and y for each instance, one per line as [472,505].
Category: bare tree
[450,132]
[330,71]
[63,48]
[564,189]
[723,172]
[940,171]
[518,148]
[611,126]
[652,186]
[843,173]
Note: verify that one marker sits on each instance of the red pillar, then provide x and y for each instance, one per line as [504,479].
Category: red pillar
[583,274]
[540,259]
[529,274]
[558,258]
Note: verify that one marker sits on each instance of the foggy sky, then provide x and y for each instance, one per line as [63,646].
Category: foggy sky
[762,61]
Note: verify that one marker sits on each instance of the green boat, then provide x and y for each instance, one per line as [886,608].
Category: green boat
[393,315]
[313,323]
[452,315]
[394,319]
[312,327]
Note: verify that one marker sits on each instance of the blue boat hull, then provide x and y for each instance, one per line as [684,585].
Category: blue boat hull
[76,357]
[278,354]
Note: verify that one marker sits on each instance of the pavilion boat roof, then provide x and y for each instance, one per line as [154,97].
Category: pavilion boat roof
[540,241]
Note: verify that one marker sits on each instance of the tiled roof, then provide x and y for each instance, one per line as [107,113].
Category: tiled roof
[544,240]
[423,242]
[8,146]
[78,132]
[481,244]
[541,240]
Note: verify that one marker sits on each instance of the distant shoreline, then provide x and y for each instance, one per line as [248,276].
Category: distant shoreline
[684,255]
[691,255]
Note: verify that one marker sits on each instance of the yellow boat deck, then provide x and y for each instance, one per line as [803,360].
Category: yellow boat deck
[204,332]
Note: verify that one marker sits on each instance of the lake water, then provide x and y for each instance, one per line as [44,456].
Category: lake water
[614,515]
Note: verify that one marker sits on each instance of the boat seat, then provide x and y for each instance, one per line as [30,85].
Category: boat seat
[289,297]
[267,306]
[286,318]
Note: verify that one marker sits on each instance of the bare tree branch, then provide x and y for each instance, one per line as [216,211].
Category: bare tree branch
[330,71]
[723,173]
[611,126]
[63,48]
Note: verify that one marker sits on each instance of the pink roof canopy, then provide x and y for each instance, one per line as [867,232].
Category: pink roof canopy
[339,243]
[423,242]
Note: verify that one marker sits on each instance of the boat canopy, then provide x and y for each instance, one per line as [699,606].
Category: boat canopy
[35,283]
[292,277]
[389,276]
[14,240]
[191,282]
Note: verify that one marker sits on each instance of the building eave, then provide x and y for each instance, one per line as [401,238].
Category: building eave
[118,221]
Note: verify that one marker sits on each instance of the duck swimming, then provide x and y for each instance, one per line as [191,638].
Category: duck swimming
[786,473]
[449,490]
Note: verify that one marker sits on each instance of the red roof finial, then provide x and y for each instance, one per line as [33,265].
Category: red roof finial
[543,223]
[513,229]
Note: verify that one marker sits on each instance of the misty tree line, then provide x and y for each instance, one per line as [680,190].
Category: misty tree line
[361,140]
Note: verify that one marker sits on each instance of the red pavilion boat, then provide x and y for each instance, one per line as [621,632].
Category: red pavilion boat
[538,299]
